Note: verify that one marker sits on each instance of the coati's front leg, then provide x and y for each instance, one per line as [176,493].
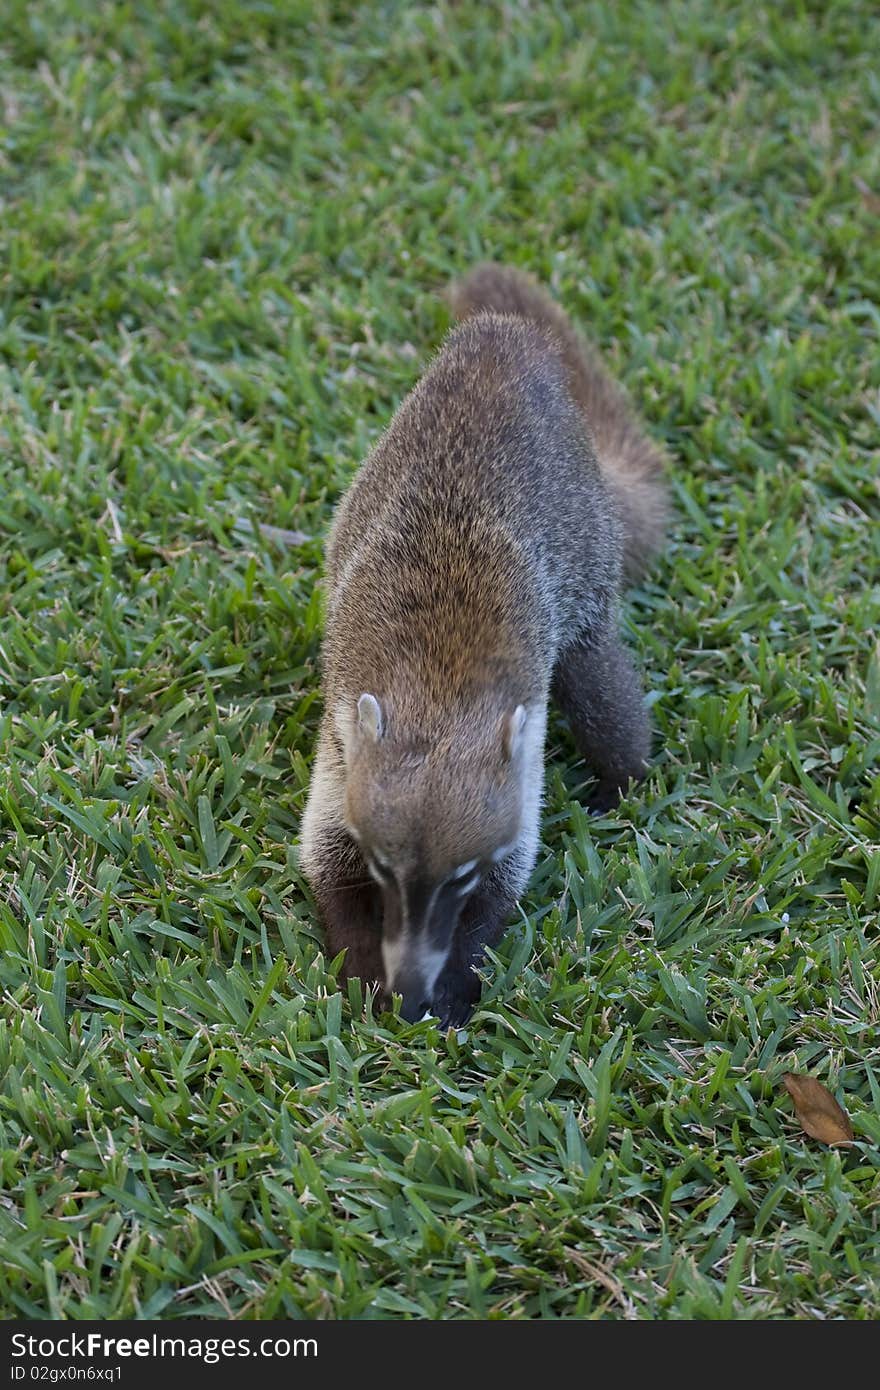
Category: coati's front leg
[351,911]
[349,902]
[597,687]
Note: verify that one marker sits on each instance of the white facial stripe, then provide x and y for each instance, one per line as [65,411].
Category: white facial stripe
[463,869]
[430,963]
[502,852]
[468,886]
[392,955]
[380,877]
[407,952]
[403,951]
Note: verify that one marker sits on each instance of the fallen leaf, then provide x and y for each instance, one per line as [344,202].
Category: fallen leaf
[868,196]
[282,536]
[817,1110]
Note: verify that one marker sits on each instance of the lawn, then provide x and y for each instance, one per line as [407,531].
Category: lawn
[225,232]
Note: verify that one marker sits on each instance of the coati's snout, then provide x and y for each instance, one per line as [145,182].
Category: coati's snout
[420,917]
[432,819]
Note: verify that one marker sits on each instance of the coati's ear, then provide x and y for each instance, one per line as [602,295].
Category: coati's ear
[370,717]
[514,723]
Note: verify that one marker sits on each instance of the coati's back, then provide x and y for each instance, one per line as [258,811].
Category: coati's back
[479,530]
[476,558]
[631,465]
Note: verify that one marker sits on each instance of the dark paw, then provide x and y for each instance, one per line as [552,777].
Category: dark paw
[609,791]
[604,798]
[455,998]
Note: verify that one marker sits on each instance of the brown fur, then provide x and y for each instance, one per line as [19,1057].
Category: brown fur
[475,561]
[632,465]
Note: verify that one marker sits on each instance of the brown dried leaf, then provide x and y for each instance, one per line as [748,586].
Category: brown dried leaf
[817,1110]
[870,199]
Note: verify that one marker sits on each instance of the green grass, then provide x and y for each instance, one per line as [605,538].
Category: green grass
[223,232]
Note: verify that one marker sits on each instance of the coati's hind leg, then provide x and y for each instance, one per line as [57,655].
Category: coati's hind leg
[597,687]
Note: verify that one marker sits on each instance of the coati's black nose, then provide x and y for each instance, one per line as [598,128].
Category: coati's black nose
[415,1003]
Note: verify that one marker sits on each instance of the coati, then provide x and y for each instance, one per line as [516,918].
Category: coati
[473,569]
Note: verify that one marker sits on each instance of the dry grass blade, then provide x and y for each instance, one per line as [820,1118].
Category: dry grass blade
[818,1111]
[870,199]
